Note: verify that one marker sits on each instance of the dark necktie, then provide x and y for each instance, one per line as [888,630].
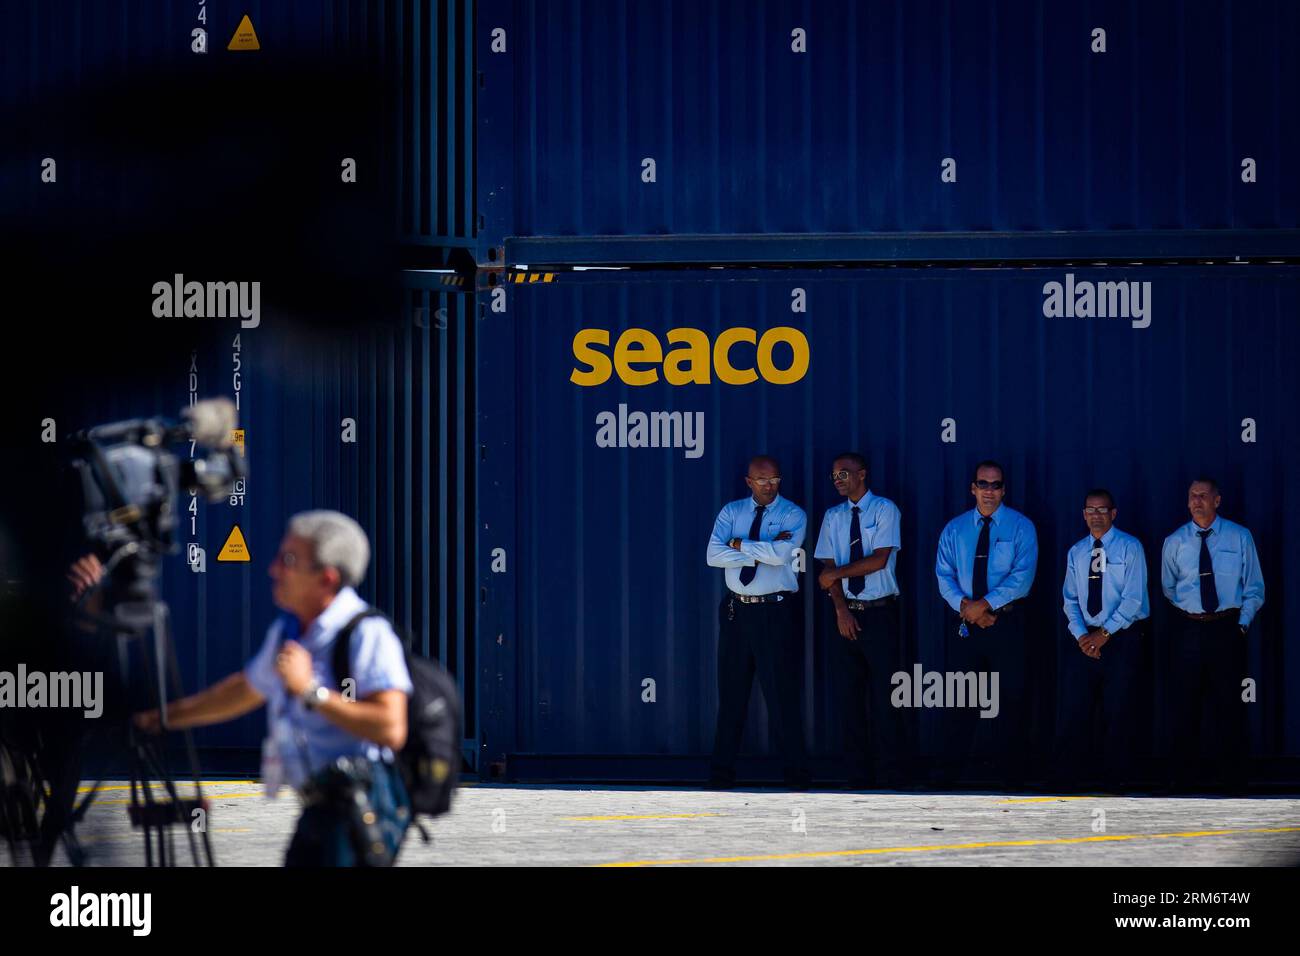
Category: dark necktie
[1209,593]
[755,534]
[979,579]
[1095,562]
[855,551]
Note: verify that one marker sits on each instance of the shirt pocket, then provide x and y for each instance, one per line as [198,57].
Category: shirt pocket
[1115,572]
[1227,563]
[868,539]
[1001,556]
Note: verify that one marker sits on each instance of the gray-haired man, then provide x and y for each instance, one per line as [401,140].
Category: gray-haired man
[326,744]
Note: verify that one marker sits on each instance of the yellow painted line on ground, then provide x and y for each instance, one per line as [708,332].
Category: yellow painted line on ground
[1096,796]
[959,846]
[182,783]
[647,816]
[183,796]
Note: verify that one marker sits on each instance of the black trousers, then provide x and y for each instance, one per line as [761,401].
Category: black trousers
[1112,685]
[999,650]
[759,641]
[1208,659]
[873,728]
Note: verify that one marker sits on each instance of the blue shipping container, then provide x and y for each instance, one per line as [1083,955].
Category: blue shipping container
[726,131]
[366,419]
[75,77]
[592,559]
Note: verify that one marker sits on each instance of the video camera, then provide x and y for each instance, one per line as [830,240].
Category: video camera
[130,481]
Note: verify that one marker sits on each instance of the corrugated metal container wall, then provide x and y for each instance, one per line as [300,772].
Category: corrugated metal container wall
[435,125]
[63,53]
[605,581]
[396,466]
[112,220]
[752,137]
[366,420]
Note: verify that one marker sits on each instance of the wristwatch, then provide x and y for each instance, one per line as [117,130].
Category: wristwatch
[1105,633]
[315,695]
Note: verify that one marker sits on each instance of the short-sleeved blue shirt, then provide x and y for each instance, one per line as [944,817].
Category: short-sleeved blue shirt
[878,524]
[378,663]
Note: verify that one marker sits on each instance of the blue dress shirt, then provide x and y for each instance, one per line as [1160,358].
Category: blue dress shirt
[878,521]
[774,559]
[1013,555]
[306,739]
[1238,580]
[1123,584]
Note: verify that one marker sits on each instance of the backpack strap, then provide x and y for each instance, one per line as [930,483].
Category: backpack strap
[340,658]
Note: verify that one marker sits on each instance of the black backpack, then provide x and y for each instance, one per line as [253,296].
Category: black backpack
[430,761]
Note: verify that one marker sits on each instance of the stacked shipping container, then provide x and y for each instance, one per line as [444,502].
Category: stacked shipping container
[797,134]
[926,371]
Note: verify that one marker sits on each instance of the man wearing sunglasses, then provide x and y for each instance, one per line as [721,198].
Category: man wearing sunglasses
[1106,608]
[857,544]
[753,541]
[319,729]
[985,567]
[1210,573]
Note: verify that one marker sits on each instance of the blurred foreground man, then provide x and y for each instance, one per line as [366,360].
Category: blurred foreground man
[335,747]
[754,540]
[1210,573]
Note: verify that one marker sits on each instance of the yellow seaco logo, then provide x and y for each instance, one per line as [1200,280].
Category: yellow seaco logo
[638,353]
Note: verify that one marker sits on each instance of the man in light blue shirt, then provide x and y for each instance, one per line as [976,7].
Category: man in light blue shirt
[857,546]
[754,540]
[1106,610]
[985,566]
[1210,573]
[315,730]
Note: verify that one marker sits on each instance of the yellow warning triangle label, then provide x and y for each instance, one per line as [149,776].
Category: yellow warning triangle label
[234,549]
[245,38]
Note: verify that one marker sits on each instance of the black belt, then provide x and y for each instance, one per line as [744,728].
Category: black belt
[774,598]
[855,605]
[1205,618]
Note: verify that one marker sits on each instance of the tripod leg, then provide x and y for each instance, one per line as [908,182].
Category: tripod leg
[154,834]
[167,647]
[174,795]
[76,855]
[137,800]
[140,795]
[10,819]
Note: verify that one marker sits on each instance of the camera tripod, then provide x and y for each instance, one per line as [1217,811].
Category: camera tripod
[139,615]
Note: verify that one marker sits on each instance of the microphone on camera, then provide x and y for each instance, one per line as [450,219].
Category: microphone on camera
[211,421]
